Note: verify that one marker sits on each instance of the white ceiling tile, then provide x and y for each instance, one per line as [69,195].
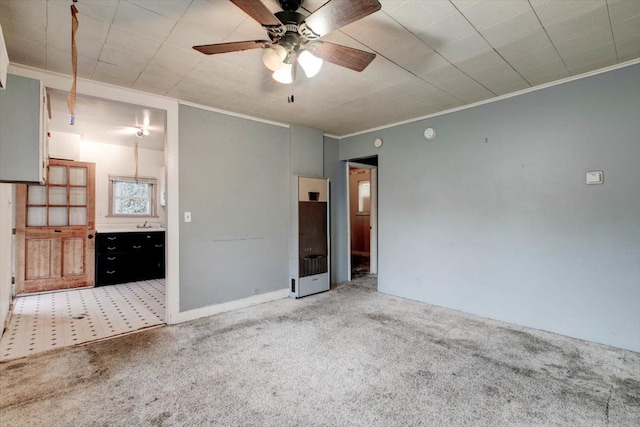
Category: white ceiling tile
[186,37]
[628,49]
[501,70]
[102,10]
[113,74]
[557,12]
[446,31]
[506,85]
[627,29]
[480,62]
[573,28]
[154,83]
[139,20]
[86,47]
[522,47]
[390,5]
[59,61]
[442,75]
[59,20]
[426,64]
[464,49]
[621,10]
[248,30]
[406,50]
[599,63]
[603,54]
[484,14]
[416,15]
[173,9]
[381,32]
[121,38]
[219,18]
[513,29]
[22,27]
[467,90]
[545,73]
[123,58]
[585,42]
[30,10]
[534,58]
[178,59]
[25,52]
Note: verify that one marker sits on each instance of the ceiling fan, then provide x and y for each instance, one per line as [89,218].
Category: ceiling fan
[294,38]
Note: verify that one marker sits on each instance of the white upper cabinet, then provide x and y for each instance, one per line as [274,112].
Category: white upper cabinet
[23,154]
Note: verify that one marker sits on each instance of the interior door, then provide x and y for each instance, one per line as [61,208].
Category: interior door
[55,227]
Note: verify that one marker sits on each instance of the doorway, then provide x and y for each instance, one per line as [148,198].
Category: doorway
[362,219]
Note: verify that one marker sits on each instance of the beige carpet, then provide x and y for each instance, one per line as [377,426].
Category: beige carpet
[348,357]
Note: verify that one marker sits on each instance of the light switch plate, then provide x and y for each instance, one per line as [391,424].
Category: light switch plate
[595,177]
[187,217]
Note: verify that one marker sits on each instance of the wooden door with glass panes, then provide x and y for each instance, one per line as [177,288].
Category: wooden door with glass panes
[55,229]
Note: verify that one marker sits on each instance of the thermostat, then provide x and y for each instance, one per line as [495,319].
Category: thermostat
[377,143]
[595,177]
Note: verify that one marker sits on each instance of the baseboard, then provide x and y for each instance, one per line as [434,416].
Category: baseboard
[210,310]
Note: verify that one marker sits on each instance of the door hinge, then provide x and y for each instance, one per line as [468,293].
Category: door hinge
[13,280]
[13,231]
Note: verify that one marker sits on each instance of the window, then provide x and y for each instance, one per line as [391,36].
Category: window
[131,197]
[364,197]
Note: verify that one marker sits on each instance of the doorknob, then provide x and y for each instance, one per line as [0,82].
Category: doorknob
[90,236]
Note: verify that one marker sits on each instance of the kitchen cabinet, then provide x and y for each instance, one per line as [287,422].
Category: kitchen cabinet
[129,256]
[23,140]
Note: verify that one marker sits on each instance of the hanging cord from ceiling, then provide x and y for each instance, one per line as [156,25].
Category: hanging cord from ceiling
[71,101]
[137,157]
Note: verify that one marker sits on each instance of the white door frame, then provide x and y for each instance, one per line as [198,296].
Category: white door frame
[373,218]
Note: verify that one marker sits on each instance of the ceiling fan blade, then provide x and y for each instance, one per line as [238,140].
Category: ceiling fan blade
[337,13]
[258,11]
[344,56]
[212,49]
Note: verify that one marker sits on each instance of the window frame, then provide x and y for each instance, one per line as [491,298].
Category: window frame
[153,195]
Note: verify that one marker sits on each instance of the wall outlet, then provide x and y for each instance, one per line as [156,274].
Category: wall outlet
[187,217]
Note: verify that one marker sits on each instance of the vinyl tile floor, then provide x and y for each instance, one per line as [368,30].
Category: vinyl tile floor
[47,321]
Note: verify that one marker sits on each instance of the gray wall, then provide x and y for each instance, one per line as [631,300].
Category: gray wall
[234,179]
[493,216]
[335,171]
[306,151]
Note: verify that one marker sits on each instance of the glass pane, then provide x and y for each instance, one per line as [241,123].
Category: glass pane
[36,217]
[132,207]
[78,216]
[58,196]
[77,196]
[37,195]
[58,175]
[77,176]
[131,189]
[57,216]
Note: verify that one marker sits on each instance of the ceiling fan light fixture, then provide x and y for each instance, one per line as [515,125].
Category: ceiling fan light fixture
[284,75]
[273,57]
[310,63]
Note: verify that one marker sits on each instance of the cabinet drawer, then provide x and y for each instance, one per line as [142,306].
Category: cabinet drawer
[109,243]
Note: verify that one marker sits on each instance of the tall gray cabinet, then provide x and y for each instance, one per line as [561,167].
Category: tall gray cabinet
[23,151]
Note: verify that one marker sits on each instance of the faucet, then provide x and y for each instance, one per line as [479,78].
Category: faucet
[144,225]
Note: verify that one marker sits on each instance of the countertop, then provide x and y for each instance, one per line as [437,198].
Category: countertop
[103,229]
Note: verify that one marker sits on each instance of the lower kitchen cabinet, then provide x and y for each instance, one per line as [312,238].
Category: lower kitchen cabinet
[129,257]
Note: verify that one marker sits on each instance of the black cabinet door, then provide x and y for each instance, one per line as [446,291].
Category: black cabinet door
[129,257]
